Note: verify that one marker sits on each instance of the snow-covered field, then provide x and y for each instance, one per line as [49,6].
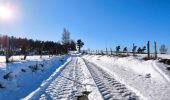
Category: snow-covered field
[69,77]
[146,78]
[163,56]
[22,77]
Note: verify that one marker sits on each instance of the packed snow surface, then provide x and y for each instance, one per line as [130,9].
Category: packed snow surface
[66,84]
[147,78]
[69,77]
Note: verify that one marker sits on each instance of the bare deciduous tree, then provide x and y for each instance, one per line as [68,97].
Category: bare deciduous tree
[163,49]
[65,36]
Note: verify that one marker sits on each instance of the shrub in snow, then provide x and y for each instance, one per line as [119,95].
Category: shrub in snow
[8,76]
[62,60]
[125,50]
[1,86]
[122,55]
[34,68]
[165,61]
[41,65]
[132,98]
[168,68]
[23,70]
[162,60]
[148,75]
[168,61]
[150,58]
[117,50]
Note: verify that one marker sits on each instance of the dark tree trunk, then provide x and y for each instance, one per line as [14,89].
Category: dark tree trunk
[7,50]
[25,55]
[79,49]
[133,50]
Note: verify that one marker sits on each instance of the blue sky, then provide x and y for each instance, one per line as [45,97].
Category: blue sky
[99,23]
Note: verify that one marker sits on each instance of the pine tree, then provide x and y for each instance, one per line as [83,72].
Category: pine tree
[79,44]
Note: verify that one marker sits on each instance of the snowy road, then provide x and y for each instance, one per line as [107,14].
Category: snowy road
[78,76]
[60,87]
[133,73]
[81,74]
[67,84]
[109,88]
[105,77]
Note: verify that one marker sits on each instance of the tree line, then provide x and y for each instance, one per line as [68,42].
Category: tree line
[10,45]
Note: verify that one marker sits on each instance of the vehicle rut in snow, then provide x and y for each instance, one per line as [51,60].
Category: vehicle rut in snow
[66,86]
[109,88]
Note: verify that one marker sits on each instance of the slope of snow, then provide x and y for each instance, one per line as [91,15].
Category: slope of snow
[19,58]
[23,78]
[144,77]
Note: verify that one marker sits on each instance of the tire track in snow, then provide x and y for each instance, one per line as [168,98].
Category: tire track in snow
[65,86]
[109,88]
[58,87]
[161,72]
[61,87]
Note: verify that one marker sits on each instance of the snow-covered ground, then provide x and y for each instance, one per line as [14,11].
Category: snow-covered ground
[109,87]
[73,79]
[149,79]
[19,58]
[22,77]
[68,77]
[163,56]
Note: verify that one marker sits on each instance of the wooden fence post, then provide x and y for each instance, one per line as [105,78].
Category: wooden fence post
[155,50]
[148,46]
[133,50]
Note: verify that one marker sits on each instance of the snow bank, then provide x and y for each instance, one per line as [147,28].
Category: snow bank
[46,83]
[18,58]
[20,78]
[139,66]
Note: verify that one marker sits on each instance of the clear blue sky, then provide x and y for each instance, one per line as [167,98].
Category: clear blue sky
[99,23]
